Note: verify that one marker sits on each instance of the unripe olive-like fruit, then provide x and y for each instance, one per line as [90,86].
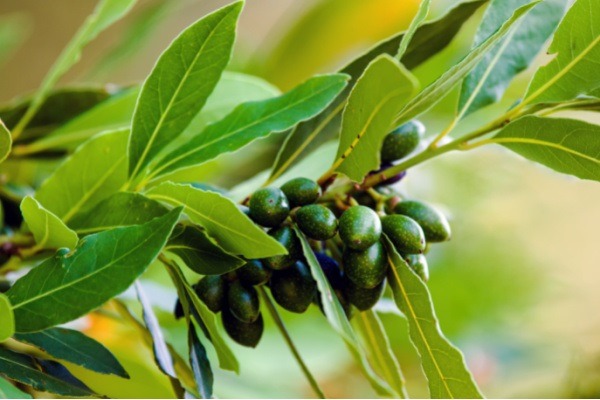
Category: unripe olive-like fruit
[317,222]
[243,302]
[254,273]
[360,227]
[288,239]
[402,141]
[212,291]
[269,207]
[404,232]
[331,269]
[246,334]
[434,223]
[301,191]
[293,288]
[418,263]
[362,298]
[366,268]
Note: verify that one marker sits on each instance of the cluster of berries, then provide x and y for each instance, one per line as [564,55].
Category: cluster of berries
[345,236]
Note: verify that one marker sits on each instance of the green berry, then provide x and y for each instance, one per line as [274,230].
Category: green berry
[361,298]
[243,302]
[317,222]
[402,141]
[360,227]
[269,207]
[288,239]
[366,268]
[301,191]
[246,334]
[434,223]
[212,291]
[254,273]
[293,288]
[418,263]
[406,235]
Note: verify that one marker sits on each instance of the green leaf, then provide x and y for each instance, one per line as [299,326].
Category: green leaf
[221,218]
[7,328]
[414,24]
[574,69]
[178,86]
[378,95]
[9,391]
[95,171]
[436,91]
[443,364]
[5,142]
[487,82]
[378,346]
[76,348]
[565,145]
[65,287]
[120,209]
[428,40]
[200,253]
[227,359]
[48,230]
[104,15]
[200,364]
[337,319]
[251,121]
[24,369]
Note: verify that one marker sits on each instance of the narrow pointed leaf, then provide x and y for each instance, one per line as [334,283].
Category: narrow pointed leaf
[428,40]
[178,86]
[7,327]
[48,230]
[414,24]
[339,322]
[574,69]
[9,391]
[95,171]
[221,218]
[24,369]
[200,364]
[251,121]
[443,364]
[200,253]
[76,348]
[377,97]
[487,82]
[565,145]
[5,141]
[65,287]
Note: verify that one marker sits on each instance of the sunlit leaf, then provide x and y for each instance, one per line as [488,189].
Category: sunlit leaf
[48,230]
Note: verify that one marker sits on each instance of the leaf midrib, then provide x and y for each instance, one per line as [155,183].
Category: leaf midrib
[545,143]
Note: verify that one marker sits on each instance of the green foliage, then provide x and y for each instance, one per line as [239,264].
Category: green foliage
[415,23]
[200,364]
[8,391]
[8,319]
[5,141]
[48,230]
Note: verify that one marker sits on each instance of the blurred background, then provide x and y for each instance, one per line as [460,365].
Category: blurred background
[517,287]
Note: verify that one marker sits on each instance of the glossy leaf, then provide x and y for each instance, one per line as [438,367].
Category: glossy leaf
[178,86]
[415,23]
[221,218]
[574,69]
[337,318]
[227,359]
[565,145]
[5,141]
[104,15]
[378,95]
[65,287]
[48,230]
[7,327]
[428,40]
[443,364]
[200,364]
[9,391]
[436,91]
[24,369]
[254,120]
[487,82]
[200,253]
[378,346]
[120,209]
[76,348]
[95,171]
